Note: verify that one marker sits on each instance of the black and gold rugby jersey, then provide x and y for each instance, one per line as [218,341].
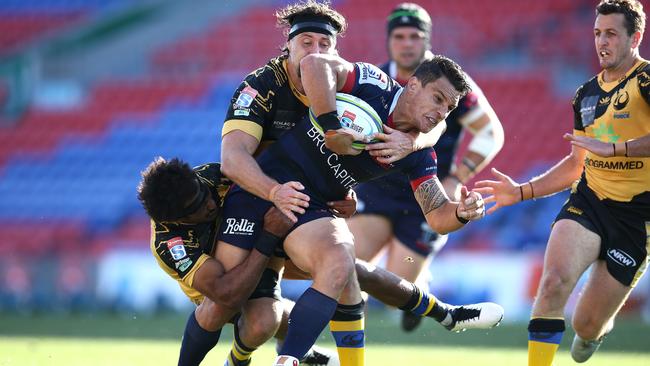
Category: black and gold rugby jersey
[180,249]
[266,104]
[615,112]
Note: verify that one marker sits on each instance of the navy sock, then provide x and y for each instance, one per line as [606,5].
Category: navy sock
[197,342]
[309,316]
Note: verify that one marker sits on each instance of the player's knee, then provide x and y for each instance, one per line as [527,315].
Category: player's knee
[339,266]
[587,326]
[211,316]
[553,283]
[260,327]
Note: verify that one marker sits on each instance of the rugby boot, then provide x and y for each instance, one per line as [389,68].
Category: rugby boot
[582,350]
[320,356]
[484,315]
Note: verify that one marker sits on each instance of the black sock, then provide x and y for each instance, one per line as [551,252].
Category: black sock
[419,304]
[197,342]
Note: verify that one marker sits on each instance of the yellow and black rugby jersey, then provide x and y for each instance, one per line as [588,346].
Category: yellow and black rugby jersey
[266,104]
[615,112]
[181,249]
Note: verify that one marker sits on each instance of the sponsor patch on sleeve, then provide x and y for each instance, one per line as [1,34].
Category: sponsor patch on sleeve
[371,74]
[176,248]
[246,97]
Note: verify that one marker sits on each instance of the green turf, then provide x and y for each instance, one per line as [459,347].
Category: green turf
[148,340]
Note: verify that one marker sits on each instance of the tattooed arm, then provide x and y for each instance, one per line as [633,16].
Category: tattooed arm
[443,215]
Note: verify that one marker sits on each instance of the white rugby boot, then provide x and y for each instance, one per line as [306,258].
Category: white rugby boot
[484,315]
[285,360]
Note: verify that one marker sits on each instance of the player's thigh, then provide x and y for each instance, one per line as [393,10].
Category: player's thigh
[405,262]
[570,250]
[601,298]
[320,243]
[371,234]
[229,255]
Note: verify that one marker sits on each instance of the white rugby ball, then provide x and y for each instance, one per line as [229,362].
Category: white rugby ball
[356,114]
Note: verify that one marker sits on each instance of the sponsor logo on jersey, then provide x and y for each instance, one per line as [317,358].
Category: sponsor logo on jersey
[343,177]
[176,248]
[283,125]
[622,115]
[242,112]
[620,257]
[239,226]
[183,264]
[605,100]
[371,74]
[621,98]
[574,210]
[246,97]
[588,110]
[615,165]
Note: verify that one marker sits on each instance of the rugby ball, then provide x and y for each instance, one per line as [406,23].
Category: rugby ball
[356,114]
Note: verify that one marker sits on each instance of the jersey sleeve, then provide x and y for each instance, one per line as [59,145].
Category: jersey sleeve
[577,114]
[366,80]
[420,166]
[644,83]
[249,108]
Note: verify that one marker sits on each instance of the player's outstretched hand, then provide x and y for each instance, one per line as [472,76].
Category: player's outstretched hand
[340,141]
[597,147]
[471,205]
[345,208]
[394,145]
[277,223]
[503,192]
[287,198]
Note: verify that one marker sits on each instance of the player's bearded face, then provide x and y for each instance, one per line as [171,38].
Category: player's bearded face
[309,43]
[407,47]
[613,44]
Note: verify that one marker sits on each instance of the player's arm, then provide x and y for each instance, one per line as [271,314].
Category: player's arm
[639,147]
[505,192]
[232,288]
[443,215]
[486,141]
[322,76]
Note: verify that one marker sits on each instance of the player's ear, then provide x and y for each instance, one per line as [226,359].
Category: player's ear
[636,39]
[412,83]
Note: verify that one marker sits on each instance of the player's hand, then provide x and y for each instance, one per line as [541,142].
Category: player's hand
[277,223]
[345,208]
[394,145]
[340,141]
[452,187]
[503,192]
[597,147]
[287,198]
[471,205]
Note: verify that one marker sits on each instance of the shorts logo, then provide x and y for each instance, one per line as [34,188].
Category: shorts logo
[184,264]
[246,97]
[575,211]
[176,248]
[239,227]
[621,257]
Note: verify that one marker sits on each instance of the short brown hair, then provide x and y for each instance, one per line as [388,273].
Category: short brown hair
[438,66]
[632,10]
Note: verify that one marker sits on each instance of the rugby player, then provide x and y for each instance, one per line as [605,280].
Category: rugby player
[605,224]
[388,216]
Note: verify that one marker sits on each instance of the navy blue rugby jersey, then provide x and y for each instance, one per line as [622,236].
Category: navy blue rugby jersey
[301,154]
[396,184]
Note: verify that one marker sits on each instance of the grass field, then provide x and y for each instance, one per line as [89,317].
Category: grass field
[118,340]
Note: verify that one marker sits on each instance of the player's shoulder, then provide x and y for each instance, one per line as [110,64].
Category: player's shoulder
[211,174]
[270,76]
[590,85]
[643,73]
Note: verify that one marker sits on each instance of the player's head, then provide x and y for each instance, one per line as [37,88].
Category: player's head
[409,35]
[433,91]
[618,31]
[170,191]
[310,27]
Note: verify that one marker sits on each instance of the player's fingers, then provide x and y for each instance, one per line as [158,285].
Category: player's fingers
[498,174]
[464,193]
[387,159]
[570,137]
[287,212]
[484,190]
[388,129]
[295,185]
[379,136]
[489,199]
[492,209]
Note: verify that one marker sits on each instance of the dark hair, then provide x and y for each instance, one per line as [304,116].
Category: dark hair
[632,10]
[286,16]
[409,15]
[166,187]
[432,69]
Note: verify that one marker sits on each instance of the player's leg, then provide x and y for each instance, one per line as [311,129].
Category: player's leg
[601,299]
[395,291]
[202,331]
[571,249]
[322,247]
[371,234]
